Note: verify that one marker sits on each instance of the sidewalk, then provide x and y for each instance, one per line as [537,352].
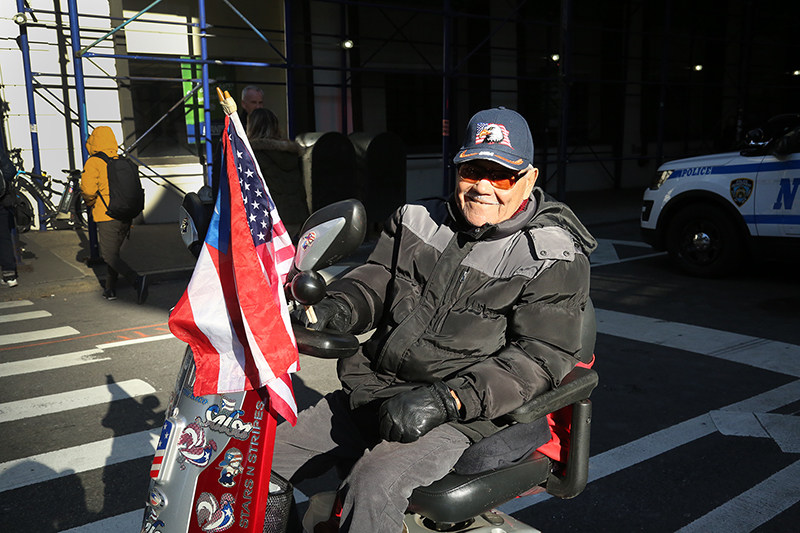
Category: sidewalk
[54,261]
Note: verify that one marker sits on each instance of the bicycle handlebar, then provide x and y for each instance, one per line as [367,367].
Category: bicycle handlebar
[42,177]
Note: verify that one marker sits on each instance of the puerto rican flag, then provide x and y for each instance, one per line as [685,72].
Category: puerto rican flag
[234,313]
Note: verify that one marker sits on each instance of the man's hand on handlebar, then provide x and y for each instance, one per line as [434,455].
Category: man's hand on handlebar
[331,313]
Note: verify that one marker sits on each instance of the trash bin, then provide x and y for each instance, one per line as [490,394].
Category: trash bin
[381,171]
[329,168]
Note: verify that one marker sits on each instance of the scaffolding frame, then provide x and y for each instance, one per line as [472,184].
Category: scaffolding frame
[447,73]
[564,79]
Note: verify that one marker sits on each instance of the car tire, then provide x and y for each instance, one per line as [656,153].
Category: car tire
[702,240]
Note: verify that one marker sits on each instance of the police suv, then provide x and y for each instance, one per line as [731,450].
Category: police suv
[708,211]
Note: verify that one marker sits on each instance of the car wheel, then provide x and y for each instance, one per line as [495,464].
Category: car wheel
[702,241]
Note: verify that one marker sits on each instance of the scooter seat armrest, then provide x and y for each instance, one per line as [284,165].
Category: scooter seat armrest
[576,386]
[325,344]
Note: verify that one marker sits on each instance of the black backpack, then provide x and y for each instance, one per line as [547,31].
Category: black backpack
[126,196]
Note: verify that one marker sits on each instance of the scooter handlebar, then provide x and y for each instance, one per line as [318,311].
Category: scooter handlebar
[325,344]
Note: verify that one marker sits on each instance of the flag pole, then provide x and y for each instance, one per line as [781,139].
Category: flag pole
[270,421]
[228,103]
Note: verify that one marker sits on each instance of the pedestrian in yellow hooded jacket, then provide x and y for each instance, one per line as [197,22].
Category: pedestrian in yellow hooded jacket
[111,232]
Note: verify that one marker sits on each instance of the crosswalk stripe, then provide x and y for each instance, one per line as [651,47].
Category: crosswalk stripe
[128,342]
[64,401]
[606,254]
[15,303]
[761,353]
[17,317]
[39,335]
[754,507]
[52,362]
[68,461]
[649,446]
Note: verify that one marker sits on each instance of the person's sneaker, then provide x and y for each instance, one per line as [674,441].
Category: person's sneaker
[110,294]
[11,282]
[141,289]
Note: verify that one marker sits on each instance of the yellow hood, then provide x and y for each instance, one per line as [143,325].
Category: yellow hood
[102,140]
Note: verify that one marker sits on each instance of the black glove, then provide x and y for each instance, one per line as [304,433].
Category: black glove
[331,312]
[409,415]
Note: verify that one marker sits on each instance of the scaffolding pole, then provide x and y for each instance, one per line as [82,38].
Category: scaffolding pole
[24,47]
[83,122]
[206,95]
[288,22]
[447,182]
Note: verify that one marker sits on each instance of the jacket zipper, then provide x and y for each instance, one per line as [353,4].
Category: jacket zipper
[452,297]
[439,265]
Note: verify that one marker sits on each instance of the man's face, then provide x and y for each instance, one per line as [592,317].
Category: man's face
[252,100]
[481,202]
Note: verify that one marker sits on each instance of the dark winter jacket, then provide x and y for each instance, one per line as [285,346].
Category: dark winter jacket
[279,161]
[8,171]
[495,312]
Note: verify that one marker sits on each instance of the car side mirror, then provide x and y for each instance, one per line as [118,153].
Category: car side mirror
[755,136]
[788,144]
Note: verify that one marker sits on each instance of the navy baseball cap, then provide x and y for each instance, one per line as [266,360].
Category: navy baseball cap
[500,135]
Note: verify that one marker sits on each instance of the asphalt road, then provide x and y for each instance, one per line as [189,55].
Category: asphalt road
[695,422]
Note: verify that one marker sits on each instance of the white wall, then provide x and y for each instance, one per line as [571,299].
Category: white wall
[102,97]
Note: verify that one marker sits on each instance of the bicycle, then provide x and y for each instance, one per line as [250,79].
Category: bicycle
[29,188]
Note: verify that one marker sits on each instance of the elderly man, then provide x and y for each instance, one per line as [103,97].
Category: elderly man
[477,304]
[252,98]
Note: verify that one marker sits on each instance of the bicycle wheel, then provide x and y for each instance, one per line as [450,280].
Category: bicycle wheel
[24,211]
[80,219]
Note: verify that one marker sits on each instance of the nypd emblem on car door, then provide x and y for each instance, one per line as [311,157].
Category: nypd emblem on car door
[741,189]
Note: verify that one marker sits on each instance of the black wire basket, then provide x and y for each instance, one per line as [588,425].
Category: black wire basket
[279,504]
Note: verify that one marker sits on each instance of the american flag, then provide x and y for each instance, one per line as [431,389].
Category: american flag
[161,449]
[492,133]
[234,313]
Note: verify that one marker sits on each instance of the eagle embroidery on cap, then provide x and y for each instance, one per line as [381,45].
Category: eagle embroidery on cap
[492,133]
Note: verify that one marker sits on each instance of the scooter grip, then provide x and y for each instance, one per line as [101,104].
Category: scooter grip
[325,344]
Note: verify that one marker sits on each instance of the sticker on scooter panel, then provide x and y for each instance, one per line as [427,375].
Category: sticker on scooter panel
[187,391]
[230,466]
[226,420]
[213,516]
[157,500]
[308,240]
[741,189]
[161,449]
[194,447]
[152,527]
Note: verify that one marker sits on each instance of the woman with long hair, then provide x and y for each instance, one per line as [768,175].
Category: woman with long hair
[279,160]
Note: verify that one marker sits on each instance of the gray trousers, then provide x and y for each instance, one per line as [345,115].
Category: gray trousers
[375,493]
[111,234]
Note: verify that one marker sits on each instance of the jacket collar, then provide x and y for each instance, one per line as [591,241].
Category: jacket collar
[541,211]
[518,222]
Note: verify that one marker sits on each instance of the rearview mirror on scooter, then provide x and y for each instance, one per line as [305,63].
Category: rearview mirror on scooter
[330,234]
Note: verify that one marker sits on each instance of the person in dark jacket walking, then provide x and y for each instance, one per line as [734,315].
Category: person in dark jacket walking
[477,303]
[8,259]
[279,161]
